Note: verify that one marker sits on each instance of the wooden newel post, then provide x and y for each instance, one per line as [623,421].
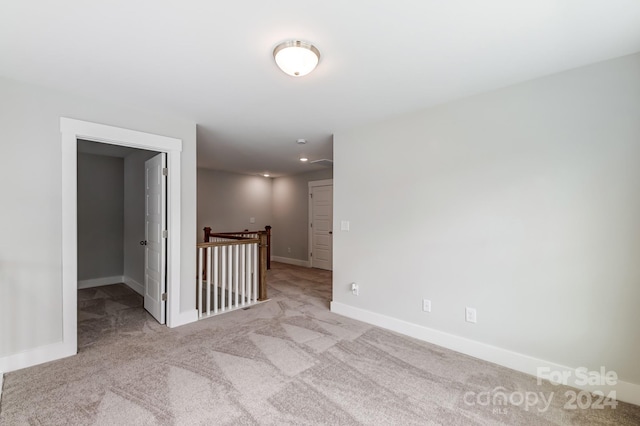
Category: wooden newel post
[262,283]
[207,234]
[268,229]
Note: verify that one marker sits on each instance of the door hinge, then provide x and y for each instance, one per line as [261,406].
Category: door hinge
[164,297]
[311,195]
[310,254]
[311,225]
[165,234]
[165,171]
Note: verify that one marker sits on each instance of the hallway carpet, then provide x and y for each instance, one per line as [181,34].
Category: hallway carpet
[289,361]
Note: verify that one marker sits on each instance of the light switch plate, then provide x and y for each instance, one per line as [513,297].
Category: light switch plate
[344,225]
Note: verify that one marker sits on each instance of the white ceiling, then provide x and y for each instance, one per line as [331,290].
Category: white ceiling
[211,61]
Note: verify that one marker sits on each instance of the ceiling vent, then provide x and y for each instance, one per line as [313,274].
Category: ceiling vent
[324,162]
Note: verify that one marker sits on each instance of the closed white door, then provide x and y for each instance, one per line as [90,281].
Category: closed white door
[155,241]
[322,227]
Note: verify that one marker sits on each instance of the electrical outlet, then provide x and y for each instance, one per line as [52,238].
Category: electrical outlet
[288,249]
[426,305]
[470,315]
[355,289]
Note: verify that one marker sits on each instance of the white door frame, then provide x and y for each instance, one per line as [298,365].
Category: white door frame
[313,184]
[72,130]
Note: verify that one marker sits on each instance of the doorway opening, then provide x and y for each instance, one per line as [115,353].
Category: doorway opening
[112,241]
[73,131]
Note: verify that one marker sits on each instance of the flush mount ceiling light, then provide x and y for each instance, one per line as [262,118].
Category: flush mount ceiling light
[296,58]
[266,175]
[304,158]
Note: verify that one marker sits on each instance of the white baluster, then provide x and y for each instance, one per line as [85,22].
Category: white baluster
[243,283]
[248,273]
[230,276]
[223,276]
[208,280]
[216,269]
[200,266]
[255,272]
[236,273]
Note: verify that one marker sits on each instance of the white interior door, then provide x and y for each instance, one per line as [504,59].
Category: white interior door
[322,227]
[155,242]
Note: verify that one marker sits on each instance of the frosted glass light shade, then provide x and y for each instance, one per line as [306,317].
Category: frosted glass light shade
[296,57]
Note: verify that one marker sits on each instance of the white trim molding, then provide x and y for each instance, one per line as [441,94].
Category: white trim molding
[624,391]
[133,285]
[99,282]
[182,318]
[290,261]
[72,130]
[116,279]
[36,356]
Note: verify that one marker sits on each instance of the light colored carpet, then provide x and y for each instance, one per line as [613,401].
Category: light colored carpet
[289,361]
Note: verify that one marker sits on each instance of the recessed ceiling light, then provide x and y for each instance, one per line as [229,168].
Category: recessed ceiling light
[304,158]
[266,175]
[296,58]
[301,141]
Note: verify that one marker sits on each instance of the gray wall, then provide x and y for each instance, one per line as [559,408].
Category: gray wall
[100,216]
[134,217]
[30,184]
[226,201]
[523,203]
[291,214]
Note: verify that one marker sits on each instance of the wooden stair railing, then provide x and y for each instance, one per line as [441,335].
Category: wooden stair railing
[231,273]
[267,229]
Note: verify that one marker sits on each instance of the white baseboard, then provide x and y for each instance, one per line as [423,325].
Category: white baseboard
[624,391]
[37,356]
[116,279]
[134,285]
[290,261]
[98,282]
[183,318]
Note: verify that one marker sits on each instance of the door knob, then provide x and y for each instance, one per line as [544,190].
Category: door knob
[143,243]
[330,232]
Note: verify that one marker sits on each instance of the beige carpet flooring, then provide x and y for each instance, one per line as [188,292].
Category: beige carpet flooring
[289,361]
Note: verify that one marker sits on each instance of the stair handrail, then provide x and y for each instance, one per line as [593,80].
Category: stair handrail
[267,229]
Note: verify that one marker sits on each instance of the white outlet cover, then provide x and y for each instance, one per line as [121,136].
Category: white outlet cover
[426,305]
[470,315]
[344,225]
[252,220]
